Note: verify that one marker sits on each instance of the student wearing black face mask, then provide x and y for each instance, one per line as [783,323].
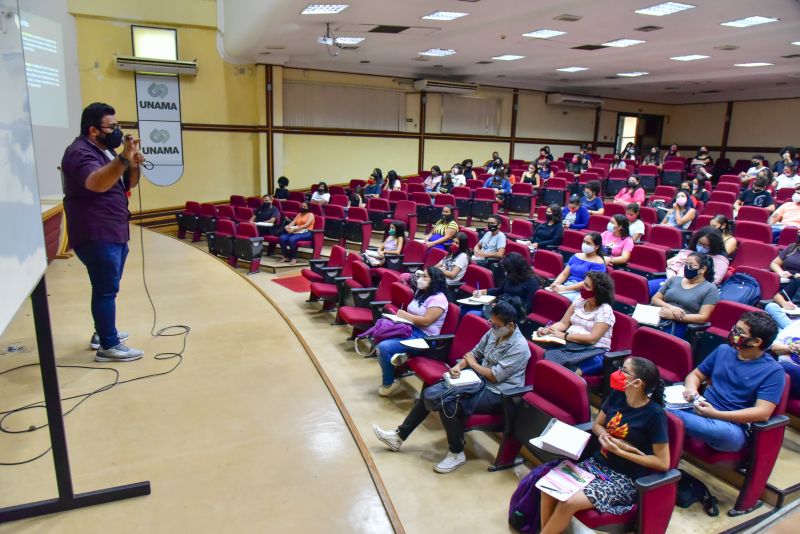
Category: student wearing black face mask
[701,161]
[269,214]
[550,233]
[443,231]
[734,399]
[96,182]
[758,196]
[492,245]
[653,157]
[687,299]
[297,230]
[632,193]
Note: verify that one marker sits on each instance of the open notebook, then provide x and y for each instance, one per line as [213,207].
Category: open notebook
[646,314]
[467,377]
[564,480]
[395,319]
[562,439]
[548,339]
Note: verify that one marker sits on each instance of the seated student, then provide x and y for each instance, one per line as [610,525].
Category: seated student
[721,223]
[356,199]
[492,244]
[377,175]
[617,242]
[467,164]
[427,312]
[570,281]
[268,213]
[577,165]
[321,196]
[393,182]
[391,246]
[519,282]
[282,193]
[299,229]
[492,160]
[617,162]
[672,152]
[787,214]
[532,177]
[499,182]
[373,189]
[574,215]
[586,152]
[682,212]
[758,196]
[457,175]
[787,348]
[544,155]
[587,327]
[500,358]
[787,266]
[443,231]
[454,265]
[706,240]
[746,385]
[698,188]
[550,233]
[756,168]
[636,226]
[653,157]
[509,174]
[629,152]
[494,166]
[702,160]
[445,186]
[631,428]
[591,198]
[634,192]
[687,299]
[788,179]
[433,179]
[787,155]
[543,172]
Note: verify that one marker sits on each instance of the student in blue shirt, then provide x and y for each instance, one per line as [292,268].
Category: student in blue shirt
[591,198]
[574,216]
[373,189]
[499,182]
[746,385]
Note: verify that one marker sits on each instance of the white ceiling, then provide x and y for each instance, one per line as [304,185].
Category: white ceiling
[274,32]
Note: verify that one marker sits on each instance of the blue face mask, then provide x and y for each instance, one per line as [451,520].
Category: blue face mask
[701,249]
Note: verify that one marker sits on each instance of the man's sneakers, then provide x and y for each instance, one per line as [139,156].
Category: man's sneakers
[451,462]
[95,342]
[390,439]
[385,391]
[119,353]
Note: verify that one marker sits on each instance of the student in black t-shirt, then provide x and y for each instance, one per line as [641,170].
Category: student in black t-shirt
[632,432]
[282,193]
[758,196]
[267,213]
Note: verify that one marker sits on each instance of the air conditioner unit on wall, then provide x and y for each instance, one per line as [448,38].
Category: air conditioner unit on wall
[574,100]
[160,66]
[441,86]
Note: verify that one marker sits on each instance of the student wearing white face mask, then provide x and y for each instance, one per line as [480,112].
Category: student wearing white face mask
[617,242]
[457,176]
[570,281]
[787,215]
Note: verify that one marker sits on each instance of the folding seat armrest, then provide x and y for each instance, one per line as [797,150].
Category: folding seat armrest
[517,392]
[362,296]
[318,263]
[656,480]
[393,261]
[256,239]
[775,421]
[378,304]
[341,279]
[613,357]
[439,346]
[693,330]
[329,269]
[330,273]
[672,252]
[511,400]
[412,266]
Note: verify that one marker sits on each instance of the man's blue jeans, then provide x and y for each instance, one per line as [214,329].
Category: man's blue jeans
[720,435]
[104,261]
[388,348]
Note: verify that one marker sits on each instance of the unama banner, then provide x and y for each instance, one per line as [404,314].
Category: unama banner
[158,106]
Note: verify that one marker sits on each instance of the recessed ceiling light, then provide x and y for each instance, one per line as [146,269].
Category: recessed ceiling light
[667,8]
[324,9]
[438,52]
[690,57]
[622,43]
[544,34]
[796,43]
[508,57]
[349,40]
[445,15]
[755,64]
[632,74]
[572,69]
[749,21]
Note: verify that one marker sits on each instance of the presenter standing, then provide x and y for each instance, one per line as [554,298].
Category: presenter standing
[96,182]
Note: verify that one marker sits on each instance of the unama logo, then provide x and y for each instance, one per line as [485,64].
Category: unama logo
[160,136]
[157,90]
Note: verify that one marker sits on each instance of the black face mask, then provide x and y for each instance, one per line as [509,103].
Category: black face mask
[447,218]
[111,140]
[492,227]
[303,210]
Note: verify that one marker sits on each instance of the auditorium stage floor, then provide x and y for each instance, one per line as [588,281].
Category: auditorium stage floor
[242,437]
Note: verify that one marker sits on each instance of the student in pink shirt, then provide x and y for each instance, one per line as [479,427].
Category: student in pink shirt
[617,242]
[632,193]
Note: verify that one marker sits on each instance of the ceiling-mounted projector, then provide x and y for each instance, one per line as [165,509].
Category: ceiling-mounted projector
[157,66]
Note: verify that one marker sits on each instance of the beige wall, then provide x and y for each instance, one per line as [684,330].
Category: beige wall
[770,123]
[538,119]
[695,124]
[433,109]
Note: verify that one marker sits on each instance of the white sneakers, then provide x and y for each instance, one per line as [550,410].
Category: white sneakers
[399,358]
[385,391]
[392,440]
[95,342]
[451,462]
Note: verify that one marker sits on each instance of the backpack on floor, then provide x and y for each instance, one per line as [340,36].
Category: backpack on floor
[691,490]
[382,330]
[741,288]
[523,511]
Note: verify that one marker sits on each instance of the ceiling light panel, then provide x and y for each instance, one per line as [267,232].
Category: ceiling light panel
[572,69]
[667,8]
[508,57]
[544,34]
[438,52]
[349,40]
[690,57]
[324,9]
[622,43]
[756,64]
[796,43]
[749,21]
[634,74]
[445,15]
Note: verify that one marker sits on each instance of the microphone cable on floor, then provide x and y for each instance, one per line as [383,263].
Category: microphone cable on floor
[167,331]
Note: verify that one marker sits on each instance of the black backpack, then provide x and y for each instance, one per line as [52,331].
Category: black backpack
[741,288]
[691,490]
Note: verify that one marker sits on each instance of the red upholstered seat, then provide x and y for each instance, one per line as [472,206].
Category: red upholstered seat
[336,259]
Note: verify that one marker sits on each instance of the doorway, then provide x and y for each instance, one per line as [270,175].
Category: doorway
[643,131]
